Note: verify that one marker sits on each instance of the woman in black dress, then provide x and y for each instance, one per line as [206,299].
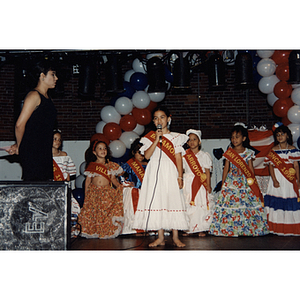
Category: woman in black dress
[34,128]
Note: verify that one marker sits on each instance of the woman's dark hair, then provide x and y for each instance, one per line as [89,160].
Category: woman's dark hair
[283,129]
[91,157]
[244,132]
[135,147]
[55,131]
[161,108]
[43,66]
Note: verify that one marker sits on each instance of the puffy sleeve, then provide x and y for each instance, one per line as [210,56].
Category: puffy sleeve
[205,160]
[71,168]
[178,141]
[294,155]
[146,144]
[114,169]
[250,154]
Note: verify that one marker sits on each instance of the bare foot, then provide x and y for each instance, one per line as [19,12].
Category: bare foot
[157,242]
[178,243]
[202,234]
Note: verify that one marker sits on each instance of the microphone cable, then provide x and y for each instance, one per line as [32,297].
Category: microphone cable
[152,197]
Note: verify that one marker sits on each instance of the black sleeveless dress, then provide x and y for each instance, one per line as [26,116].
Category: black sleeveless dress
[36,146]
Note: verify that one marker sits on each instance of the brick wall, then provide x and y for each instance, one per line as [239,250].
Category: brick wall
[216,111]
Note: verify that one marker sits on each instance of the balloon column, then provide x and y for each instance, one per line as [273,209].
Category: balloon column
[125,118]
[282,96]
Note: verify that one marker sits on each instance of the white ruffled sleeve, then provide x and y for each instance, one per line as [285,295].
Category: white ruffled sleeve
[178,141]
[146,144]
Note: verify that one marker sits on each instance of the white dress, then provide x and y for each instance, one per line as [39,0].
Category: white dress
[161,203]
[281,204]
[199,215]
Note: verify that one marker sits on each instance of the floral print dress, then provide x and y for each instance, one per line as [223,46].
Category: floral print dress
[238,211]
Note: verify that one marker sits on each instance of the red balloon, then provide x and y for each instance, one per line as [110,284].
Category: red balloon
[142,115]
[128,123]
[283,72]
[281,56]
[281,107]
[152,105]
[112,131]
[282,89]
[100,137]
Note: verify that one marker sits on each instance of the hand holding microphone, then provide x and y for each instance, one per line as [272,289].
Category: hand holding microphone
[159,127]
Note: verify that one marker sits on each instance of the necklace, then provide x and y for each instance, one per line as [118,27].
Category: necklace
[281,150]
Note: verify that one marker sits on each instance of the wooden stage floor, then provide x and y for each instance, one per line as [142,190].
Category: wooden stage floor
[132,242]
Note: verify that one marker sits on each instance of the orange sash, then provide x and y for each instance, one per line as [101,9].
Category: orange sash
[137,168]
[200,176]
[166,146]
[57,173]
[99,169]
[286,170]
[238,161]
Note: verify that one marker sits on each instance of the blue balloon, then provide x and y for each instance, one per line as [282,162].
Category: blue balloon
[78,194]
[129,90]
[122,159]
[139,81]
[168,75]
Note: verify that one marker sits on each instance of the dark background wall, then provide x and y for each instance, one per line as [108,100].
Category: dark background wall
[216,111]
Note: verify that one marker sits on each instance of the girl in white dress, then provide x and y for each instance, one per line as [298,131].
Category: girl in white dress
[197,166]
[161,203]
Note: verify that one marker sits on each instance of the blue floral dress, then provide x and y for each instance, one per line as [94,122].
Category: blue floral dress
[238,212]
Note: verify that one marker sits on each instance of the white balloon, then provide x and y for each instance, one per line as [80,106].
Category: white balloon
[295,96]
[138,66]
[139,129]
[79,181]
[82,168]
[128,75]
[265,53]
[117,148]
[123,105]
[294,114]
[109,114]
[295,130]
[157,96]
[160,55]
[140,99]
[99,126]
[266,67]
[295,86]
[128,137]
[271,99]
[266,84]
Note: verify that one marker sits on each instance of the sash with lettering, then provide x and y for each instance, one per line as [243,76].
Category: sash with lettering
[99,169]
[57,173]
[166,146]
[137,168]
[238,161]
[285,169]
[139,171]
[200,176]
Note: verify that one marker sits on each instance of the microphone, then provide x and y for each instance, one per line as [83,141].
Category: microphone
[159,126]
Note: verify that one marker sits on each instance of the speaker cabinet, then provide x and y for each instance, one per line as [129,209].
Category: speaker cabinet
[34,216]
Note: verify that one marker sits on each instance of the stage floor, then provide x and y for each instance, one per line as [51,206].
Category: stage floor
[132,242]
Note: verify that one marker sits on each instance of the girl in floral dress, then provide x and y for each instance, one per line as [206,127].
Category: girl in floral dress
[282,202]
[238,210]
[102,213]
